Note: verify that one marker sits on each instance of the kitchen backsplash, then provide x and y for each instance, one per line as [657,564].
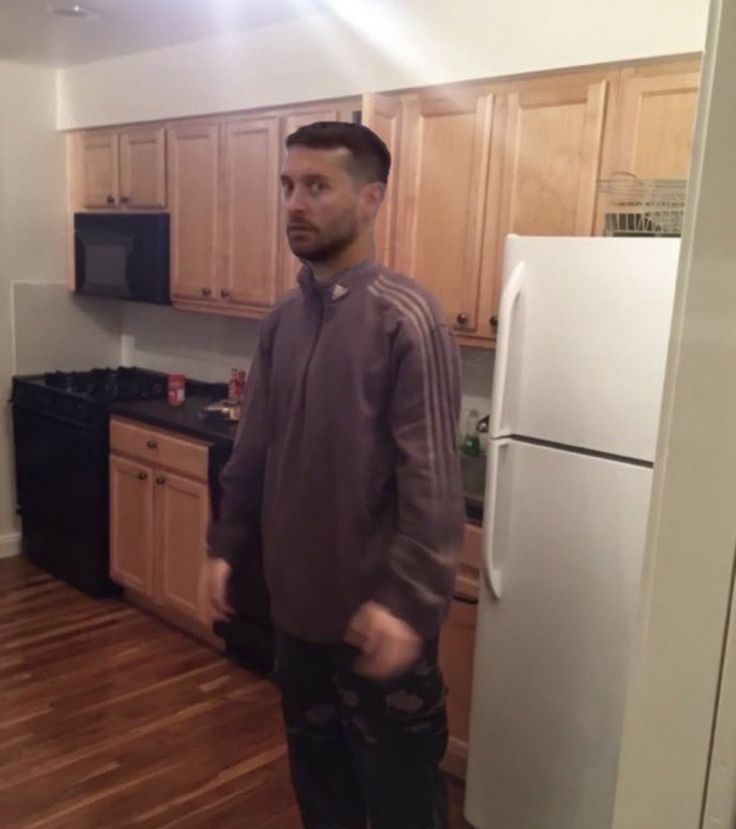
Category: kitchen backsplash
[206,347]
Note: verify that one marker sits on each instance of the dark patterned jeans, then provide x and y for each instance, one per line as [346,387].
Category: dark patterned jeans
[361,751]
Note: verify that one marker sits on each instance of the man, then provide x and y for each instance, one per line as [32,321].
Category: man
[346,466]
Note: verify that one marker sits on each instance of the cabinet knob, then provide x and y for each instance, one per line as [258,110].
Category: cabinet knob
[160,480]
[493,322]
[125,199]
[462,318]
[110,200]
[151,444]
[142,476]
[206,291]
[224,293]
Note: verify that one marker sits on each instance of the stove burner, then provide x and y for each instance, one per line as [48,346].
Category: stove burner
[108,384]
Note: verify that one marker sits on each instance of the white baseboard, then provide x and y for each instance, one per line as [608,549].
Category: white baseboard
[9,545]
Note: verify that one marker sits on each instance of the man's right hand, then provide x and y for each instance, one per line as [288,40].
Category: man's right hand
[213,581]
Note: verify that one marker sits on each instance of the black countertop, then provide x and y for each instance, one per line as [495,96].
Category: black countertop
[185,419]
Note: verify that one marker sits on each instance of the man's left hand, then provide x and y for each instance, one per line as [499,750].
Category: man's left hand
[388,645]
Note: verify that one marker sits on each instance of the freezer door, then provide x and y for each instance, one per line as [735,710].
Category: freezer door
[552,652]
[582,344]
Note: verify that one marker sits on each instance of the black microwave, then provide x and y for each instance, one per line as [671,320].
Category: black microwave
[122,255]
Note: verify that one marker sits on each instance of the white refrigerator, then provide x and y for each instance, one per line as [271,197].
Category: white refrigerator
[582,344]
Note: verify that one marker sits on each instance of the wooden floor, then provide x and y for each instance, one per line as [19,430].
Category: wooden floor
[110,718]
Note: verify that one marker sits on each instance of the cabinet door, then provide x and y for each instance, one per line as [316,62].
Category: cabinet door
[552,147]
[382,114]
[142,169]
[288,263]
[99,163]
[182,513]
[251,184]
[445,147]
[657,114]
[131,524]
[457,646]
[552,150]
[193,164]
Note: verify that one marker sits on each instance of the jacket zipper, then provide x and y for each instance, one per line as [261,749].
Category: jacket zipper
[311,353]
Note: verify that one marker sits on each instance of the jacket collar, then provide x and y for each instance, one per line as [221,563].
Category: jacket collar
[338,286]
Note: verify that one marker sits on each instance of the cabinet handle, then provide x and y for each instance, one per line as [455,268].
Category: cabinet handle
[462,319]
[151,444]
[493,321]
[160,480]
[224,293]
[125,199]
[111,200]
[142,476]
[206,291]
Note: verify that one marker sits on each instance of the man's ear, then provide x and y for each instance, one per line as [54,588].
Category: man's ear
[373,194]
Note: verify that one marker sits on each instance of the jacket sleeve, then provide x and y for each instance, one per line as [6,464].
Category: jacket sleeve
[238,518]
[423,417]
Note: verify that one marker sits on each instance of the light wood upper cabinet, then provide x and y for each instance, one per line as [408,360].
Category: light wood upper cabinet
[193,172]
[142,168]
[122,168]
[553,143]
[657,114]
[251,221]
[98,160]
[182,512]
[443,186]
[382,114]
[131,524]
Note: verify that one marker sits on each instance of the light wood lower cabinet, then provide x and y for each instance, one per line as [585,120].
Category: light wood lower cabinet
[158,518]
[131,524]
[457,646]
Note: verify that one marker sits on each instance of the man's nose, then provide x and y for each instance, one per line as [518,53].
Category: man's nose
[294,201]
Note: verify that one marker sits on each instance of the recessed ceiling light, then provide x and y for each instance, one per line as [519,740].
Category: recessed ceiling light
[72,10]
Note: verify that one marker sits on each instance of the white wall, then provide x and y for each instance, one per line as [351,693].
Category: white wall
[375,45]
[32,203]
[667,752]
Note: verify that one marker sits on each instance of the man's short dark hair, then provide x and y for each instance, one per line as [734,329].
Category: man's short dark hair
[371,157]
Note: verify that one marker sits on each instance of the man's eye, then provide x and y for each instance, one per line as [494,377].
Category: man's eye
[316,187]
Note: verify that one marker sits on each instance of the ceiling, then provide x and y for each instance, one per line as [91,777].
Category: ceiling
[31,33]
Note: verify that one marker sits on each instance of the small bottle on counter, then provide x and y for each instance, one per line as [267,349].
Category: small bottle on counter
[471,441]
[236,386]
[177,385]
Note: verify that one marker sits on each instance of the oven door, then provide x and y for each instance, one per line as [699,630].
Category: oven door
[62,491]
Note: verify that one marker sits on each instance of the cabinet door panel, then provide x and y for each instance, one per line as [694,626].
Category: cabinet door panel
[182,513]
[194,193]
[251,210]
[142,168]
[442,199]
[657,117]
[382,114]
[131,524]
[553,146]
[99,161]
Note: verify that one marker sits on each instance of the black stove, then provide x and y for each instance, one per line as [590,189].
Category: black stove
[60,424]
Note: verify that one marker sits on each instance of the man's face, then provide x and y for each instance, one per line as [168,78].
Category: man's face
[326,208]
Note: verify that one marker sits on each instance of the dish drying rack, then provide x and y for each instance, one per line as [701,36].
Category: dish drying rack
[643,207]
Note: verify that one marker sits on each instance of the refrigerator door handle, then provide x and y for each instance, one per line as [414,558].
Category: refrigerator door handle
[491,572]
[511,293]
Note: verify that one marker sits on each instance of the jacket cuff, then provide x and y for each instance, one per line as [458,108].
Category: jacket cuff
[225,541]
[421,609]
